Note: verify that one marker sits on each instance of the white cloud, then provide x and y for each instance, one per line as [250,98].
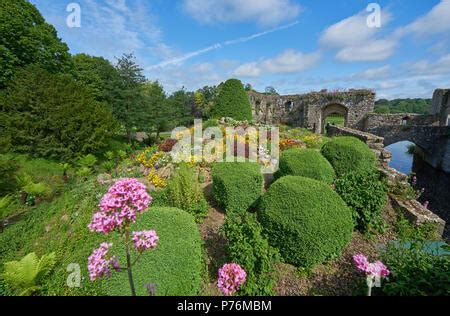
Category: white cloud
[264,12]
[435,21]
[374,73]
[354,40]
[290,61]
[373,50]
[425,68]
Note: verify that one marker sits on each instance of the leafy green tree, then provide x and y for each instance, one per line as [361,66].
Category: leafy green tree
[27,39]
[96,73]
[157,111]
[52,116]
[271,90]
[124,95]
[232,101]
[181,104]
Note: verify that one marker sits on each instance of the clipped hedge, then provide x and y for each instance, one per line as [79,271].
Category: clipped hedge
[174,266]
[307,163]
[238,185]
[348,154]
[232,101]
[306,220]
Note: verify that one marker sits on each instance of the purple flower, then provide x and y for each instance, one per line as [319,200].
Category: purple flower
[231,277]
[120,205]
[99,265]
[426,204]
[145,240]
[376,269]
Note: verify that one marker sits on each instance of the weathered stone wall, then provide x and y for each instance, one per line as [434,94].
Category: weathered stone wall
[373,120]
[441,105]
[310,110]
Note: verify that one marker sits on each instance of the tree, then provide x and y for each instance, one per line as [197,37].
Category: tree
[232,101]
[27,39]
[248,87]
[181,104]
[271,90]
[157,111]
[124,95]
[96,73]
[52,116]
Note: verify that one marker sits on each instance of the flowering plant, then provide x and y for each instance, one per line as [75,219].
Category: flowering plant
[231,277]
[156,180]
[374,271]
[119,208]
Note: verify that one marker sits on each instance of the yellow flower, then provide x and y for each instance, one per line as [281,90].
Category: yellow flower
[156,180]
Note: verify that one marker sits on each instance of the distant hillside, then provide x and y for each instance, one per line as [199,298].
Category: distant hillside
[420,106]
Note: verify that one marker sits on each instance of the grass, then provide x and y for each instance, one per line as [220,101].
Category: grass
[335,120]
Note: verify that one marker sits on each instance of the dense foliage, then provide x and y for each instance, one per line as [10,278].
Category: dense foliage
[347,154]
[366,194]
[233,102]
[27,39]
[175,266]
[416,272]
[184,191]
[307,163]
[306,220]
[53,116]
[420,106]
[250,249]
[237,186]
[8,171]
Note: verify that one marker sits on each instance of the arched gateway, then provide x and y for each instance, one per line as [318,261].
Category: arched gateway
[311,110]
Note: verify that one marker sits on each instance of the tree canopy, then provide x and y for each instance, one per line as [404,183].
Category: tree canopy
[27,39]
[232,101]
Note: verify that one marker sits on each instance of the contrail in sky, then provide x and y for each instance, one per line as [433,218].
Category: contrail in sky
[178,60]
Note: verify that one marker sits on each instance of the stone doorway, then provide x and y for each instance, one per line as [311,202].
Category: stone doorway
[334,114]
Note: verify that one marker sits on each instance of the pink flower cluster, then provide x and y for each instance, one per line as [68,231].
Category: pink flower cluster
[99,265]
[376,269]
[145,240]
[231,277]
[120,205]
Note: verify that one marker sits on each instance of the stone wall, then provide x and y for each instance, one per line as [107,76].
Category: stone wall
[310,110]
[441,105]
[373,120]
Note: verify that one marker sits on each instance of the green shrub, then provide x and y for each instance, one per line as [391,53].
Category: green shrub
[248,248]
[307,163]
[24,277]
[174,266]
[184,191]
[306,220]
[237,186]
[8,172]
[411,232]
[415,272]
[366,194]
[232,101]
[347,154]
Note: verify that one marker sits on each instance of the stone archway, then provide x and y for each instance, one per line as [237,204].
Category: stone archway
[334,109]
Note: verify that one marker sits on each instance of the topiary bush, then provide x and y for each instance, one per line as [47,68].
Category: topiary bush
[238,185]
[233,102]
[366,194]
[250,249]
[306,220]
[347,154]
[174,267]
[307,163]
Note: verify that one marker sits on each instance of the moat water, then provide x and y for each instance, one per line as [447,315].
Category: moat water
[435,182]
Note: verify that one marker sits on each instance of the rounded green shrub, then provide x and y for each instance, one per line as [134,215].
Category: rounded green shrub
[306,220]
[347,154]
[366,194]
[232,101]
[237,185]
[307,163]
[174,267]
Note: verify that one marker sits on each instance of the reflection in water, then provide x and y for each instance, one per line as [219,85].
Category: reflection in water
[435,182]
[401,160]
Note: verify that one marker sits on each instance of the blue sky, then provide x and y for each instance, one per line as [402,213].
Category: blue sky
[295,46]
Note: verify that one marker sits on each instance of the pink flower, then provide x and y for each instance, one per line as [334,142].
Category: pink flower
[231,277]
[145,240]
[99,265]
[120,205]
[377,269]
